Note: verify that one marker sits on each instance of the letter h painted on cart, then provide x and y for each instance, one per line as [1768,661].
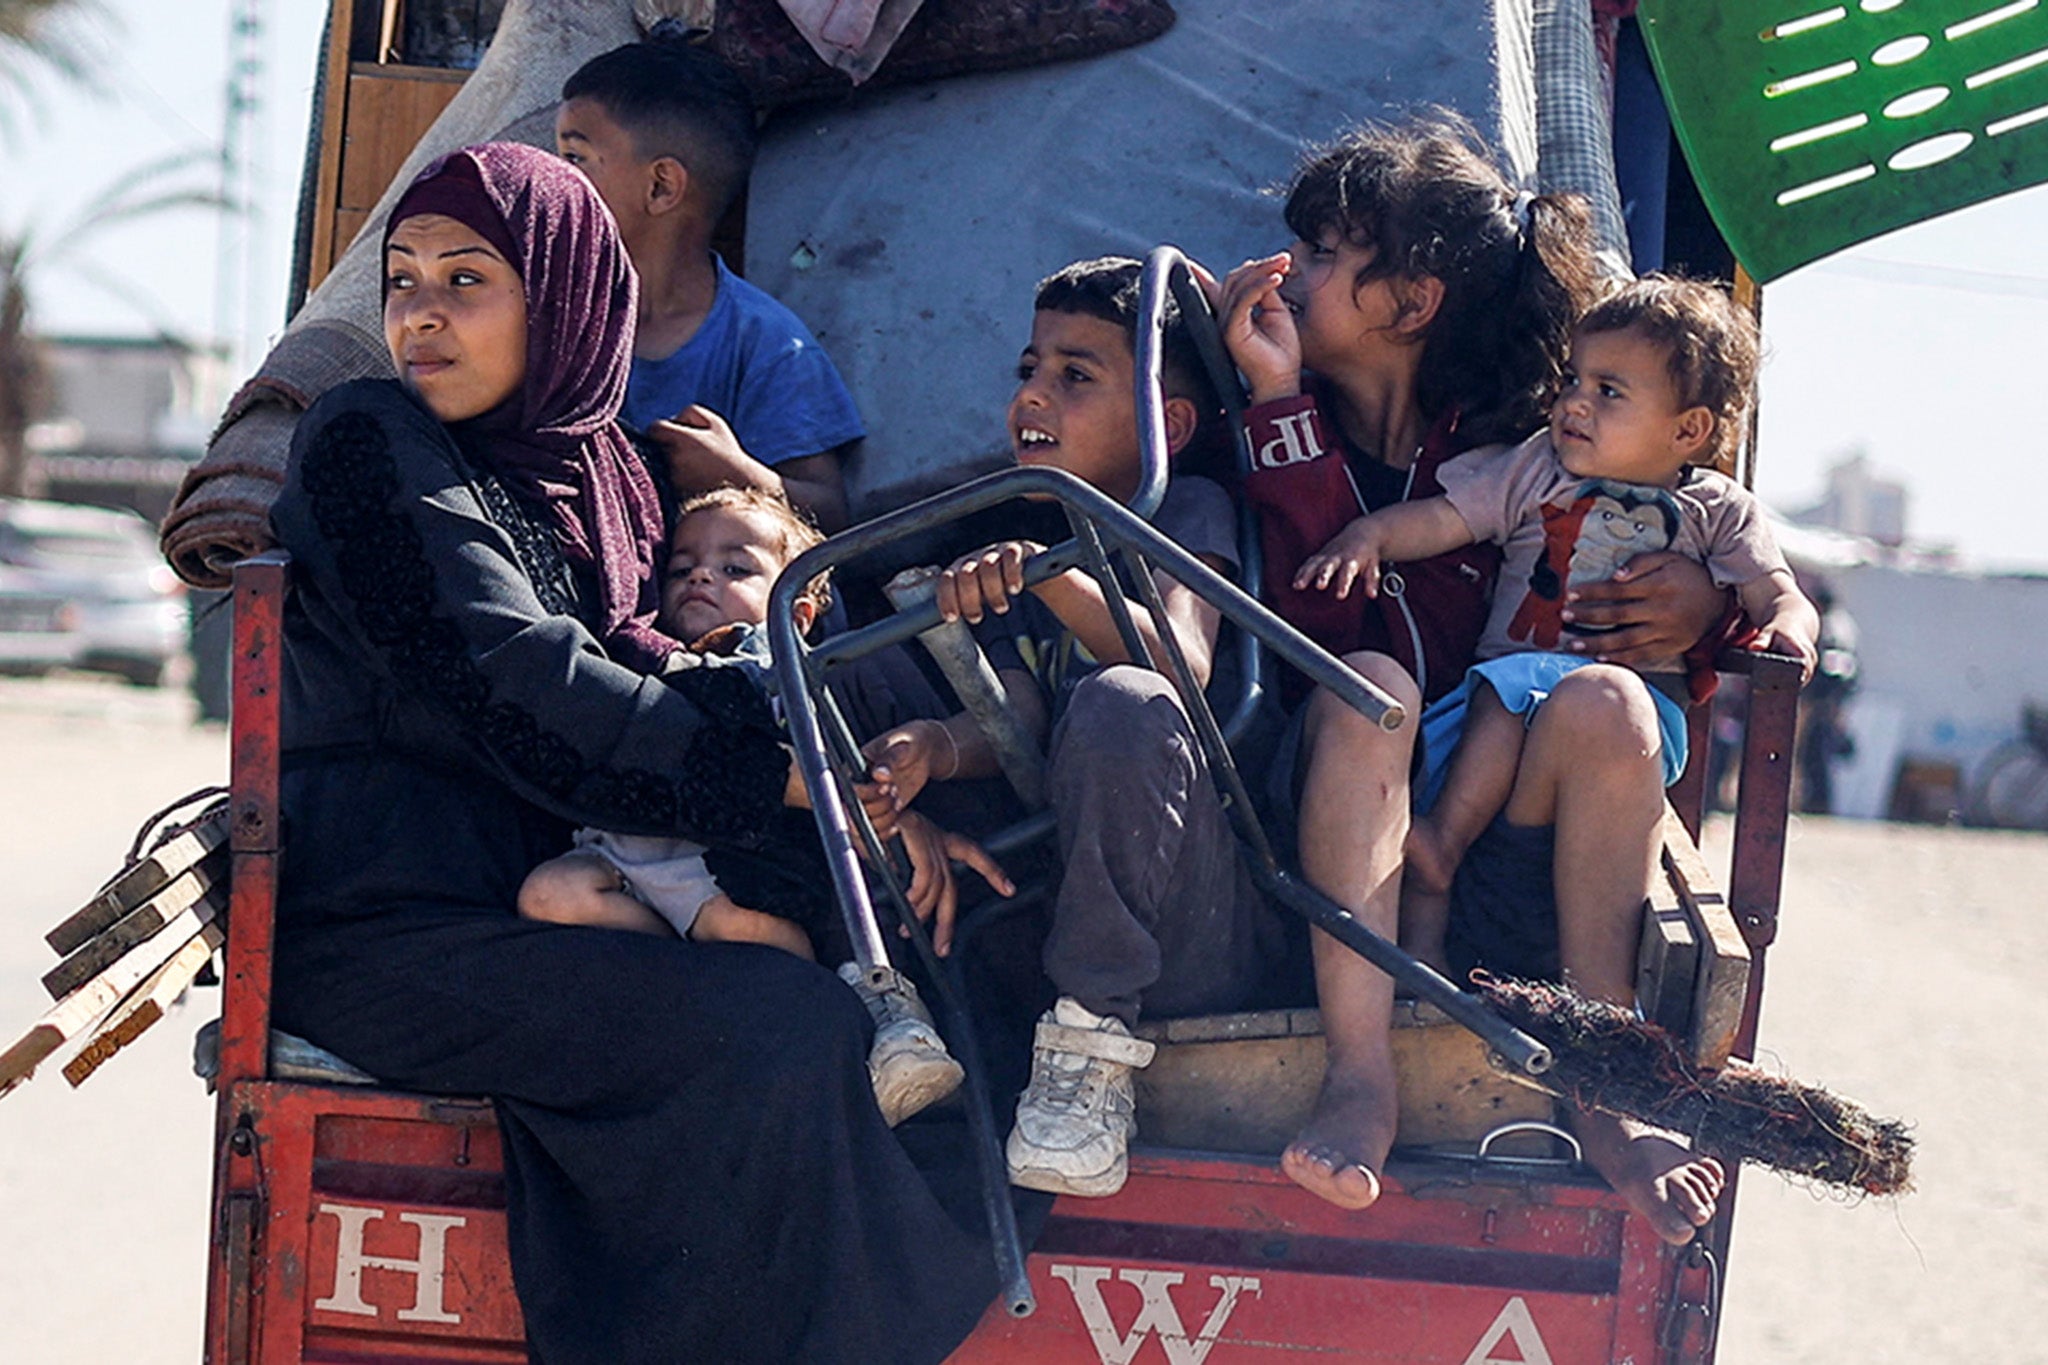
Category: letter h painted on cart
[429,1269]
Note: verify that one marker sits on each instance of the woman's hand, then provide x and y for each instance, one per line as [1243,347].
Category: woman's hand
[915,755]
[934,893]
[1258,326]
[984,581]
[1661,603]
[1789,638]
[1352,556]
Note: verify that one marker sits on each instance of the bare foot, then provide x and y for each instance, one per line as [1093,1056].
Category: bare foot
[1664,1181]
[1338,1154]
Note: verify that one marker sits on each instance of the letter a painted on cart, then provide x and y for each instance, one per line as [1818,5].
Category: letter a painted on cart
[1514,1321]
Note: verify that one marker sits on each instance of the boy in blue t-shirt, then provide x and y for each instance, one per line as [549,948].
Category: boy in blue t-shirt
[730,384]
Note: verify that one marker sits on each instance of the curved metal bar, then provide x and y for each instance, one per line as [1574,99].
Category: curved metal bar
[1177,269]
[1019,1299]
[1550,1130]
[836,822]
[1154,294]
[1117,526]
[1517,1048]
[909,623]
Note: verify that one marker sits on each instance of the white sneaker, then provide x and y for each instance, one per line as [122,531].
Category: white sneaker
[908,1064]
[1075,1120]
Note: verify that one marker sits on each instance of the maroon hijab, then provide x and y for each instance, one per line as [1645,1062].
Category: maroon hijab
[558,441]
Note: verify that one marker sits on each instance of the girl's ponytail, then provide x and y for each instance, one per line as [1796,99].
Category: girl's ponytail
[1556,279]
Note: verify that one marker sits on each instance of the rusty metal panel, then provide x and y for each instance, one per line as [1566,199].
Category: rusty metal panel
[381,1232]
[1766,792]
[1227,1263]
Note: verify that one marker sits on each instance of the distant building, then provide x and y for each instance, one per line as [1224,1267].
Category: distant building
[1859,503]
[1947,658]
[127,417]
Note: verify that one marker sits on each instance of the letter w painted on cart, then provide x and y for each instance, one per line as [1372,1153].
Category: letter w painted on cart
[1157,1313]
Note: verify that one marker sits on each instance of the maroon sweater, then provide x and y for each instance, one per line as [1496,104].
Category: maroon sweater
[1307,483]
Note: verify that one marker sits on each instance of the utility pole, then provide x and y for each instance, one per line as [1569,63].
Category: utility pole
[238,266]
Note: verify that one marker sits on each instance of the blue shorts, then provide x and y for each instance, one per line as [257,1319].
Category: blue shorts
[1523,683]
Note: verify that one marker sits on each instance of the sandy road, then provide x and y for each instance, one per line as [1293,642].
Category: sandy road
[103,1189]
[1907,975]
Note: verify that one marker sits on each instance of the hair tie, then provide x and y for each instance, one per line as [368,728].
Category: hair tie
[1520,211]
[674,30]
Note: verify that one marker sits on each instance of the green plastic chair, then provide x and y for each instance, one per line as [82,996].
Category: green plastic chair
[1811,126]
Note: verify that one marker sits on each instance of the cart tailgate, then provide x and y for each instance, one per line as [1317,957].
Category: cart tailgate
[383,1237]
[1205,1261]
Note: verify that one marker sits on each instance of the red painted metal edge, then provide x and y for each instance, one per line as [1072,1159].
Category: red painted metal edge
[259,593]
[1223,1261]
[233,1294]
[1756,877]
[1755,880]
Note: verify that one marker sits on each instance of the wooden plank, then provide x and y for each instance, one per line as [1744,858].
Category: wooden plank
[124,893]
[208,880]
[329,119]
[1248,1082]
[75,1015]
[1721,983]
[348,223]
[389,109]
[145,1005]
[1667,960]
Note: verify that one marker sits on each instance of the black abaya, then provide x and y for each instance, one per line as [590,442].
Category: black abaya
[696,1170]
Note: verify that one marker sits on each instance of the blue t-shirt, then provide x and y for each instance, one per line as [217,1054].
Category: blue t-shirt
[754,363]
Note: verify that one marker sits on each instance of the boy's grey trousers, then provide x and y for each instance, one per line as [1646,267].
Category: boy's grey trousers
[1155,912]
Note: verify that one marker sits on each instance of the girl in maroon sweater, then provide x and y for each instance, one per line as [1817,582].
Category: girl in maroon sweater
[1422,311]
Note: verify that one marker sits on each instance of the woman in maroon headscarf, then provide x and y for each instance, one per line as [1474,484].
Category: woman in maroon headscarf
[695,1165]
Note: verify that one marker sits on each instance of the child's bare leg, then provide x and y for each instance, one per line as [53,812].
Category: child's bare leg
[583,888]
[1482,773]
[1354,818]
[1591,768]
[721,921]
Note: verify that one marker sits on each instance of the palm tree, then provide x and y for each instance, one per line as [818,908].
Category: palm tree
[39,33]
[23,383]
[159,187]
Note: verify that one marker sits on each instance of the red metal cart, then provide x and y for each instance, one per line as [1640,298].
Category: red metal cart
[354,1223]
